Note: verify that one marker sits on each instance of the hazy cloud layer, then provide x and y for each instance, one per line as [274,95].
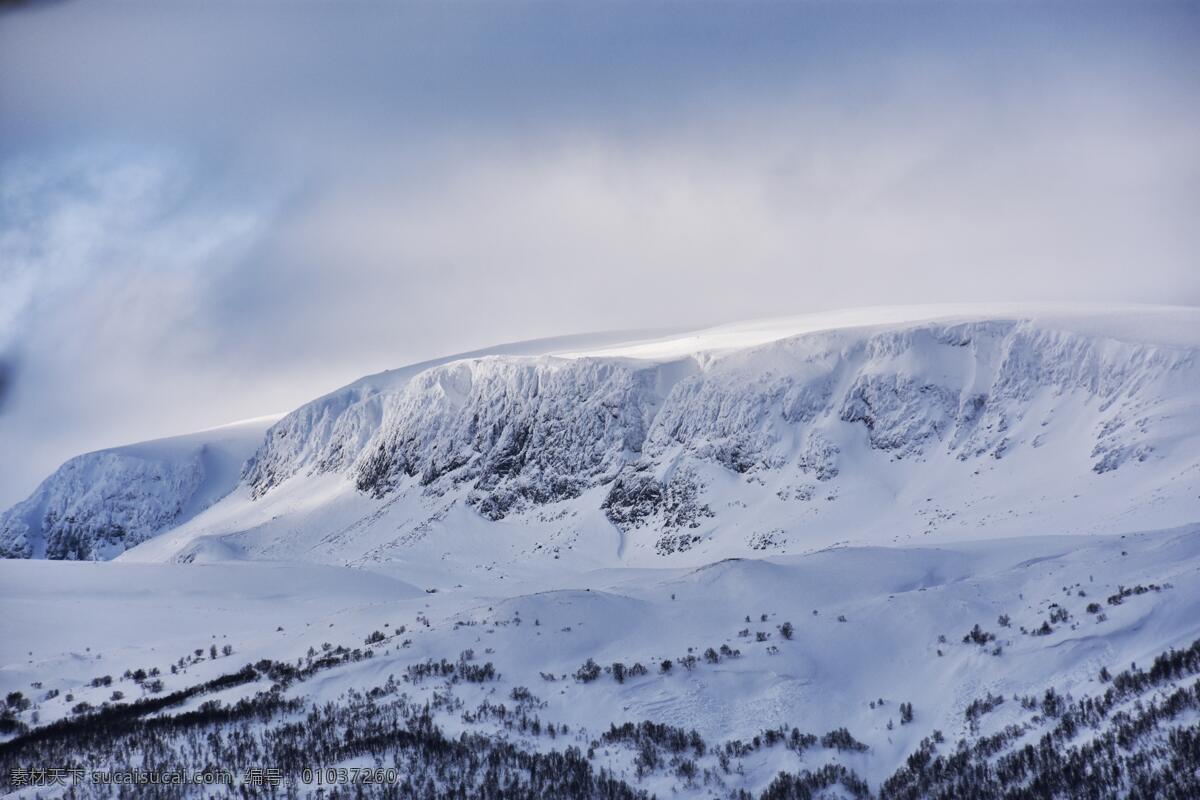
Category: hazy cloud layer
[215,210]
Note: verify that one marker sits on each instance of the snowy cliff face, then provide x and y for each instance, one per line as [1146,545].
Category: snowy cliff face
[509,434]
[965,392]
[330,433]
[99,504]
[323,436]
[517,432]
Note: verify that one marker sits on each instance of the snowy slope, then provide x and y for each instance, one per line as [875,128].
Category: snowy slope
[767,437]
[98,504]
[873,628]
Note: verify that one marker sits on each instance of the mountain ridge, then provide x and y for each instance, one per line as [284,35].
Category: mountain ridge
[657,434]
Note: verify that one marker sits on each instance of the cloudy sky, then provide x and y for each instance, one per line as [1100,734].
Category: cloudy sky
[216,210]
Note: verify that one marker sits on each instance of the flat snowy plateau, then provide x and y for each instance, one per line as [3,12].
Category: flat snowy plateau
[911,552]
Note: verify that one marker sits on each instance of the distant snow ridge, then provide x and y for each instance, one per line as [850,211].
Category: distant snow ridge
[517,432]
[97,505]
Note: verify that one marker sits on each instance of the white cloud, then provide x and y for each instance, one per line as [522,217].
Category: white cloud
[105,260]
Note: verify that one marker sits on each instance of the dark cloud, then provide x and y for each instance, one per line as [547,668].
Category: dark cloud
[218,210]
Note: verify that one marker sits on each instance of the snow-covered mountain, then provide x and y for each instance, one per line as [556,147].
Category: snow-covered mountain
[902,553]
[880,425]
[97,505]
